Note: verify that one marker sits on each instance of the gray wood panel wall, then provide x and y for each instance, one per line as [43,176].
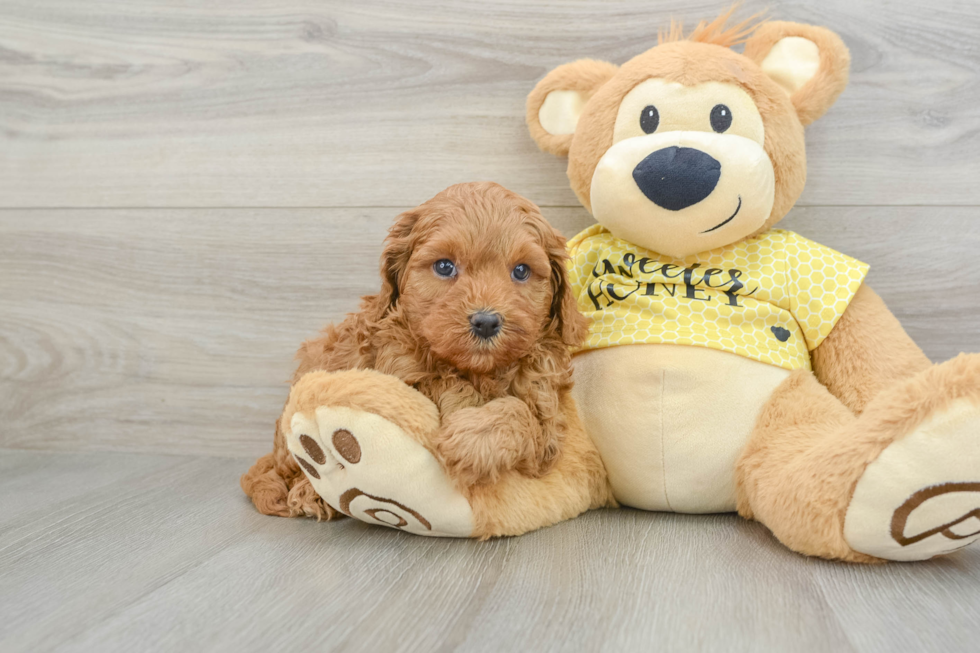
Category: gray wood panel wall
[188,190]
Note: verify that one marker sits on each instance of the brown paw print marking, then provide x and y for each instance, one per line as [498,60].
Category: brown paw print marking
[310,469]
[312,449]
[373,512]
[901,516]
[350,495]
[346,445]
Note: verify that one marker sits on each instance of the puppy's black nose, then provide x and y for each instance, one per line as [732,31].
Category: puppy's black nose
[485,325]
[677,177]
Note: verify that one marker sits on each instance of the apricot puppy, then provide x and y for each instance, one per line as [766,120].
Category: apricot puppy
[474,313]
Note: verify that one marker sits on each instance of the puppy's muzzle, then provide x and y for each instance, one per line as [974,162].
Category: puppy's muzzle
[675,178]
[485,324]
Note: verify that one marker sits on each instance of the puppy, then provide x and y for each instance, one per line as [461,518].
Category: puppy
[474,312]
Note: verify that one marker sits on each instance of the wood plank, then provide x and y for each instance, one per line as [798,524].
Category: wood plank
[98,551]
[911,600]
[382,103]
[555,590]
[173,330]
[175,559]
[36,482]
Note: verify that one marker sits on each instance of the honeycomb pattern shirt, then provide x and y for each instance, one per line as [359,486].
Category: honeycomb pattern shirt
[772,298]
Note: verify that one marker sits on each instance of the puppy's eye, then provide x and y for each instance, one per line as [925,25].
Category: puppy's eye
[649,119]
[444,268]
[521,273]
[721,118]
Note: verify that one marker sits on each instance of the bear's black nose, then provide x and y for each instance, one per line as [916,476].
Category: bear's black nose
[677,177]
[485,325]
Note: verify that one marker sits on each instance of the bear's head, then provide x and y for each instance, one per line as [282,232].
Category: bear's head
[692,146]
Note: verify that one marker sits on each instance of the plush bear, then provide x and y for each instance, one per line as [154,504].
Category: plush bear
[731,365]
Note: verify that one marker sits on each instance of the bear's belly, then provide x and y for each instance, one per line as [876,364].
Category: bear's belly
[671,420]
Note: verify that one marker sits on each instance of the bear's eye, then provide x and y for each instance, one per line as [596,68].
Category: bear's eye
[444,268]
[721,118]
[521,272]
[649,119]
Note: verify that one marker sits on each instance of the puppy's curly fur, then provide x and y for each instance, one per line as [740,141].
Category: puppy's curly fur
[499,399]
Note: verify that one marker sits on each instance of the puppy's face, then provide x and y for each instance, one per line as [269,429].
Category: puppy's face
[481,276]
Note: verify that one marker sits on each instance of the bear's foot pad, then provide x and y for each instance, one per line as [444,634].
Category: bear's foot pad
[368,468]
[921,497]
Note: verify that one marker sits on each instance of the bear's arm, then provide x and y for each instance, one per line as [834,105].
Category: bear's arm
[867,350]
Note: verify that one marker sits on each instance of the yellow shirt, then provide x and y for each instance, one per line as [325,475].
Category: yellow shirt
[772,298]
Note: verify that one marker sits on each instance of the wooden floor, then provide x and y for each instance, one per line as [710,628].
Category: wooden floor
[189,189]
[146,552]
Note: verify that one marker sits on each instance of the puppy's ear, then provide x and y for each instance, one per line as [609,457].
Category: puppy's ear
[394,261]
[566,320]
[555,104]
[811,64]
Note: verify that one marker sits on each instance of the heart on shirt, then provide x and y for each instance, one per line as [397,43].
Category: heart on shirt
[782,335]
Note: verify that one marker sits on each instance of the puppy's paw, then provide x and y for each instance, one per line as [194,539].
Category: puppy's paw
[368,468]
[474,457]
[478,445]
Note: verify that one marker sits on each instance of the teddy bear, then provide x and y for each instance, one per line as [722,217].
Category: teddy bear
[733,366]
[729,367]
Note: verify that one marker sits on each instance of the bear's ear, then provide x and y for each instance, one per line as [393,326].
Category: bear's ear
[553,107]
[810,63]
